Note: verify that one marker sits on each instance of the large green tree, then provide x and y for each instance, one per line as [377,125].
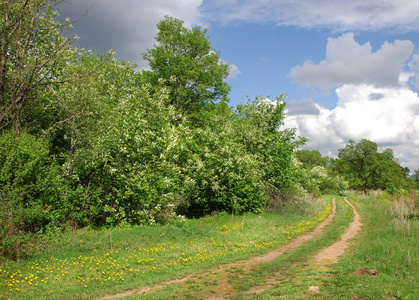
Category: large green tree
[33,52]
[259,124]
[184,59]
[365,168]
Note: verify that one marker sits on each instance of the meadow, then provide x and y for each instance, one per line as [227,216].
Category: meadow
[387,245]
[87,263]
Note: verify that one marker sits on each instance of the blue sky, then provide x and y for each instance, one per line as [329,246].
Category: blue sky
[349,68]
[264,55]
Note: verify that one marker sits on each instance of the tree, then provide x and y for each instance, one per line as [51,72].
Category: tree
[318,177]
[357,162]
[258,128]
[389,174]
[220,173]
[310,158]
[415,175]
[186,62]
[32,55]
[30,186]
[365,168]
[259,125]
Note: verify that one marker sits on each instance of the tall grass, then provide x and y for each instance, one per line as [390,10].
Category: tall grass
[405,209]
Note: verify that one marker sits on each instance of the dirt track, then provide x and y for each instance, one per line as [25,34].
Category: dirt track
[327,255]
[330,254]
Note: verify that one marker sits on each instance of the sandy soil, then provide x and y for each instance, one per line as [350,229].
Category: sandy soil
[330,254]
[220,274]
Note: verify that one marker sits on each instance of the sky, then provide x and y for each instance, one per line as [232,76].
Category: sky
[349,69]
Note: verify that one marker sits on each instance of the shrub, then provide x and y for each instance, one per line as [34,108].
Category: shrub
[28,191]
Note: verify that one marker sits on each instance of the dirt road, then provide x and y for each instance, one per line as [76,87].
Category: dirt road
[219,276]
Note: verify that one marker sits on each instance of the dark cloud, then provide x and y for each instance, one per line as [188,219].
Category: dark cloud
[126,26]
[376,96]
[305,107]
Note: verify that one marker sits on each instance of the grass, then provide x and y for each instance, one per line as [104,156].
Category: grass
[388,243]
[291,273]
[88,263]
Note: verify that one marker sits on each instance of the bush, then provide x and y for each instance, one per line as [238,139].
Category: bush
[221,176]
[28,191]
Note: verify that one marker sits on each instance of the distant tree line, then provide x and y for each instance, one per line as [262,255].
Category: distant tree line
[359,166]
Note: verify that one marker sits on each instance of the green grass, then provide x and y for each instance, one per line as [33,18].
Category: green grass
[89,263]
[292,272]
[387,243]
[85,264]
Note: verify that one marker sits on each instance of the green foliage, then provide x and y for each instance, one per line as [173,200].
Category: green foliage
[310,158]
[258,125]
[220,175]
[33,53]
[365,168]
[135,163]
[186,62]
[29,189]
[121,146]
[240,160]
[318,178]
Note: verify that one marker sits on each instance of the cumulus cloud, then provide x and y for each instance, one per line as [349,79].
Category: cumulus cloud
[348,62]
[389,120]
[375,101]
[387,116]
[127,26]
[334,14]
[318,128]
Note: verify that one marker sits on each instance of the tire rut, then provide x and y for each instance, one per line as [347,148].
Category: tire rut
[324,257]
[220,274]
[330,254]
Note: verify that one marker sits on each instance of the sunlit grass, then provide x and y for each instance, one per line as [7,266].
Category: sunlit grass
[86,263]
[388,243]
[384,244]
[290,269]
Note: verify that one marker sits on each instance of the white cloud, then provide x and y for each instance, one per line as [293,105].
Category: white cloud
[387,116]
[348,62]
[388,121]
[234,71]
[374,98]
[126,26]
[318,128]
[334,14]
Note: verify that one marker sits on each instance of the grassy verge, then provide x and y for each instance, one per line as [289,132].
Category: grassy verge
[292,273]
[387,243]
[88,263]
